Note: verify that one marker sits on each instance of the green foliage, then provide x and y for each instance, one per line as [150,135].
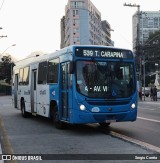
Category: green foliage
[152,47]
[6,65]
[152,35]
[6,60]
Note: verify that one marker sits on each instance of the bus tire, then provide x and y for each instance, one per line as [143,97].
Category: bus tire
[104,125]
[58,124]
[24,113]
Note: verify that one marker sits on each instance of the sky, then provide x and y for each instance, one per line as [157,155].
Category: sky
[34,25]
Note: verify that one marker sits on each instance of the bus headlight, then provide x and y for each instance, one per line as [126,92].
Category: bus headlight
[82,107]
[133,106]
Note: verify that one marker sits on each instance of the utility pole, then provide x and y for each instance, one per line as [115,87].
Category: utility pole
[7,49]
[138,46]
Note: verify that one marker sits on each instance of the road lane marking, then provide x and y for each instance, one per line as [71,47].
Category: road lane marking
[147,119]
[147,109]
[149,102]
[131,140]
[7,145]
[135,141]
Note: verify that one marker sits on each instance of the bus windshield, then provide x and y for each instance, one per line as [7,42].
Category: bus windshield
[107,79]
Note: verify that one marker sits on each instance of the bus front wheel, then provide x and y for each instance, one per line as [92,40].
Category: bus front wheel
[58,124]
[104,124]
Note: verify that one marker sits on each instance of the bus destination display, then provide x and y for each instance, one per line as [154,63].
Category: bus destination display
[103,53]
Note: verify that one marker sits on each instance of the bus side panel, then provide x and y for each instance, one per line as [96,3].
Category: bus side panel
[43,100]
[54,94]
[19,96]
[26,95]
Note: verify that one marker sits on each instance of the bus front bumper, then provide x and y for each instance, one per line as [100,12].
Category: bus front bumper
[87,117]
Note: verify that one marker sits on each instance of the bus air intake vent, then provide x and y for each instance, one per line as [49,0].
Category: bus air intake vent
[109,103]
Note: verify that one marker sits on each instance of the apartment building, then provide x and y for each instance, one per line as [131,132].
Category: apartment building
[82,25]
[149,23]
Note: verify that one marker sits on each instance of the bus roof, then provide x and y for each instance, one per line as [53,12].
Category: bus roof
[69,49]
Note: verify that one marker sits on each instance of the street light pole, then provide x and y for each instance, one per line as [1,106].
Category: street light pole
[138,46]
[7,49]
[144,76]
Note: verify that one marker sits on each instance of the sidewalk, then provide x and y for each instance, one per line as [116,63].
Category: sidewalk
[148,100]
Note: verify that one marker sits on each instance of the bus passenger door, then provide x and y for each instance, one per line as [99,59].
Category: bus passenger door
[65,90]
[33,91]
[15,90]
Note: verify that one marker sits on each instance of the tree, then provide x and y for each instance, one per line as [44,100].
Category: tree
[152,51]
[6,67]
[152,35]
[152,46]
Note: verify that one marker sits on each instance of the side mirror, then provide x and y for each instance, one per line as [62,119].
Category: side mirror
[71,67]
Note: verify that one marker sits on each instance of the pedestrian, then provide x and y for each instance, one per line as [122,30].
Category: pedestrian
[151,93]
[154,93]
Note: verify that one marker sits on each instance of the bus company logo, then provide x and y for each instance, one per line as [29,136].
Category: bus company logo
[53,92]
[42,92]
[27,92]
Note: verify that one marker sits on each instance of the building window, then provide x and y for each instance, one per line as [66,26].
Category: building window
[75,21]
[42,71]
[156,22]
[77,4]
[76,30]
[75,12]
[75,39]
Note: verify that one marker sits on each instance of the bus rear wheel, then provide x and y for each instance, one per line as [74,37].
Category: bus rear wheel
[104,125]
[24,113]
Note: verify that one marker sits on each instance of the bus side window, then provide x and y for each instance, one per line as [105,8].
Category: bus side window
[21,76]
[26,76]
[53,67]
[42,73]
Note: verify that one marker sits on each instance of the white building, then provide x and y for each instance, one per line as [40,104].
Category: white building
[82,25]
[149,23]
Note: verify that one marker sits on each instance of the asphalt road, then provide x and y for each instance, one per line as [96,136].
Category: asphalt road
[37,135]
[147,126]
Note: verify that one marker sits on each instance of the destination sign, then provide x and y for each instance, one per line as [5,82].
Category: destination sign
[103,53]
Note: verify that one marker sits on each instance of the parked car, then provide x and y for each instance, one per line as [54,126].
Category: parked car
[147,91]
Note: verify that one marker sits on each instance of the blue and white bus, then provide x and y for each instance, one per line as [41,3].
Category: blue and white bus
[78,85]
